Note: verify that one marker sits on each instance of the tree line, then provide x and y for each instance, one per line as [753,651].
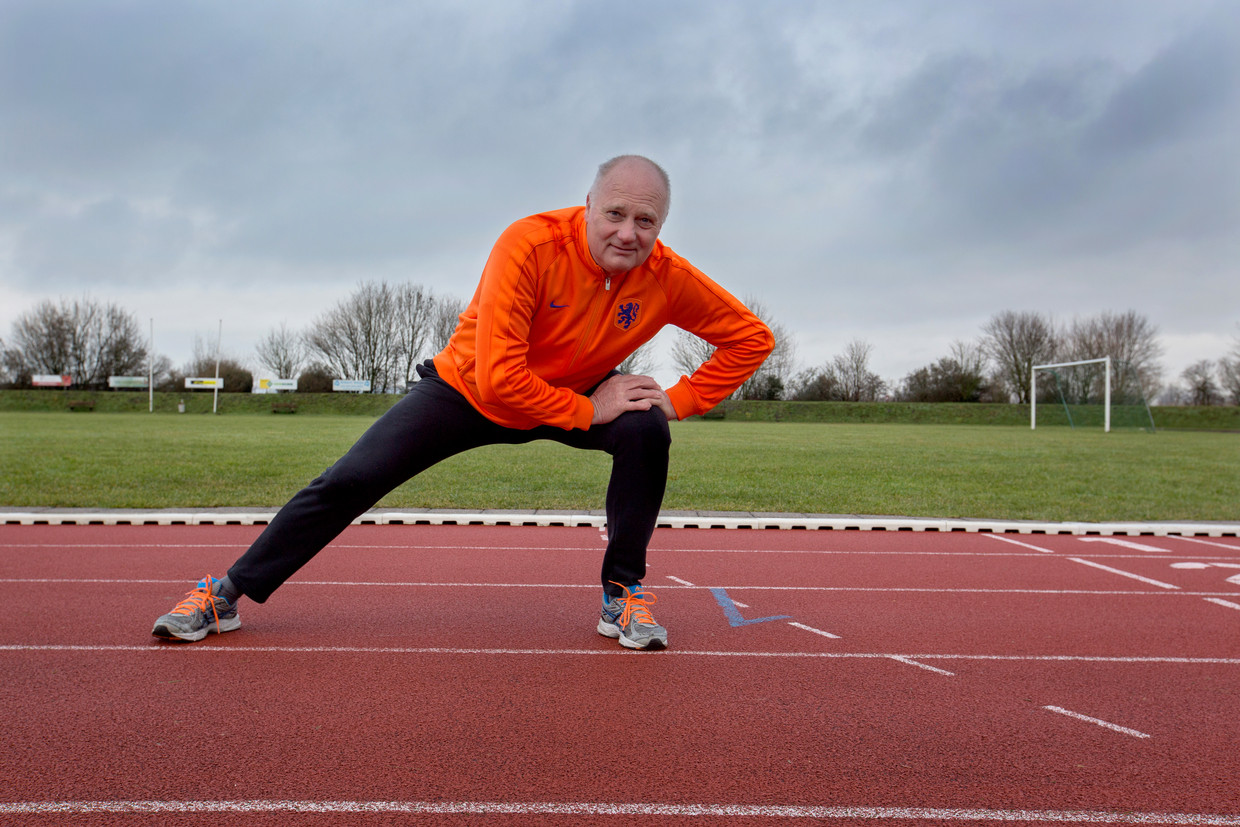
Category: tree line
[381,332]
[378,334]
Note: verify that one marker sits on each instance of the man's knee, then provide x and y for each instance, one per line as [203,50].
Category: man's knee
[643,430]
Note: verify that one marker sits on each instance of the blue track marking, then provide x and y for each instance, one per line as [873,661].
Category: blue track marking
[733,614]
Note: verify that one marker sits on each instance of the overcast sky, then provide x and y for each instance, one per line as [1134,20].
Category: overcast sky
[895,172]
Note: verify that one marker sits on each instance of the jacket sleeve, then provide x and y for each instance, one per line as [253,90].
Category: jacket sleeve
[506,303]
[742,341]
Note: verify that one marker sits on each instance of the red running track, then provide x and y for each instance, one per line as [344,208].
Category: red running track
[452,675]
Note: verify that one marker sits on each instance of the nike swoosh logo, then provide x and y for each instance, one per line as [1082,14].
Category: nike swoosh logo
[558,306]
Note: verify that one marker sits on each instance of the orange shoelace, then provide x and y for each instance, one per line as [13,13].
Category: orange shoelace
[636,606]
[199,599]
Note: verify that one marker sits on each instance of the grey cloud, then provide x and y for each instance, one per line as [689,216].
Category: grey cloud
[105,242]
[1190,85]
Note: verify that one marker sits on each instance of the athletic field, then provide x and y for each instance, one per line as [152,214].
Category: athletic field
[56,460]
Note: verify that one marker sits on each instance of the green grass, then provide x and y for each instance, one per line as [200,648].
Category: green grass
[1217,417]
[154,461]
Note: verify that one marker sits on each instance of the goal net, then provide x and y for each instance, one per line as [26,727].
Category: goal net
[1089,393]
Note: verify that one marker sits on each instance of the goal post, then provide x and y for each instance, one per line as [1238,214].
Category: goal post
[1106,400]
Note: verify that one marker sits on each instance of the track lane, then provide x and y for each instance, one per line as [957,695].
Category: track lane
[443,724]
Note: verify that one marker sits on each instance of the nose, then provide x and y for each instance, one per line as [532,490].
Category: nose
[627,231]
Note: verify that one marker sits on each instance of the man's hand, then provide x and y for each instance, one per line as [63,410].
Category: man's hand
[628,393]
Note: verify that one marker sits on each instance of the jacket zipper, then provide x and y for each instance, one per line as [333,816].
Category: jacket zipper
[595,312]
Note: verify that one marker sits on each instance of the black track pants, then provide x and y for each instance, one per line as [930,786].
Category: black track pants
[432,423]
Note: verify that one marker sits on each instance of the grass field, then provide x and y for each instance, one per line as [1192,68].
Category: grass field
[154,461]
[1201,418]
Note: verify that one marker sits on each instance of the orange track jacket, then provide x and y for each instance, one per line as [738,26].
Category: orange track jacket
[546,324]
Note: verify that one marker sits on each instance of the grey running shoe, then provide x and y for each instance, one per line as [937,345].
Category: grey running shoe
[628,618]
[199,613]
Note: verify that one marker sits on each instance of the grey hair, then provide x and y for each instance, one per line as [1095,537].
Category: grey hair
[606,167]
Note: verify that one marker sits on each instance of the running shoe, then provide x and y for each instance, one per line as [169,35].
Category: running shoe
[628,618]
[202,611]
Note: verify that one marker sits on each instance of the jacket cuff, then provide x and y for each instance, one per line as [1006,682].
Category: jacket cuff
[683,399]
[583,415]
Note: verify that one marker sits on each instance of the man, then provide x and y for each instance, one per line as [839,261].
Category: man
[564,298]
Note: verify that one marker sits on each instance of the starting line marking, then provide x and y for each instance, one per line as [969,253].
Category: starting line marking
[812,629]
[1019,543]
[1226,603]
[1125,730]
[1209,543]
[925,666]
[224,649]
[1116,541]
[1123,573]
[612,809]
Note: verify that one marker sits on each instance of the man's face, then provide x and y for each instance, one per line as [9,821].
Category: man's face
[624,214]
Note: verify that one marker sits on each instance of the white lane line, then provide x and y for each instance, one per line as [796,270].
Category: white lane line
[925,666]
[1226,603]
[1019,543]
[372,547]
[594,808]
[1123,573]
[224,649]
[812,629]
[678,580]
[1116,727]
[1230,547]
[1116,541]
[741,587]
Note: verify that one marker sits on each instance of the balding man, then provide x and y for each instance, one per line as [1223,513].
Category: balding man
[564,298]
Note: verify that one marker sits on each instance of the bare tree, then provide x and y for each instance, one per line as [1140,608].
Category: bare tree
[283,352]
[10,363]
[1229,373]
[1016,342]
[816,385]
[640,362]
[84,338]
[690,352]
[857,383]
[446,316]
[1202,390]
[381,332]
[356,340]
[205,358]
[846,378]
[774,375]
[414,317]
[1132,343]
[769,381]
[960,377]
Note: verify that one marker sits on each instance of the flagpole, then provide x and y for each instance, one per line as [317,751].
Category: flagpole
[215,403]
[150,367]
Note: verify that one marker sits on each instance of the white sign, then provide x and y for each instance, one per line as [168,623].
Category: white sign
[127,381]
[273,385]
[200,382]
[43,380]
[355,385]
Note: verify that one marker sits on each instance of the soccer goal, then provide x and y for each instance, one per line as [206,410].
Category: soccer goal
[1086,393]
